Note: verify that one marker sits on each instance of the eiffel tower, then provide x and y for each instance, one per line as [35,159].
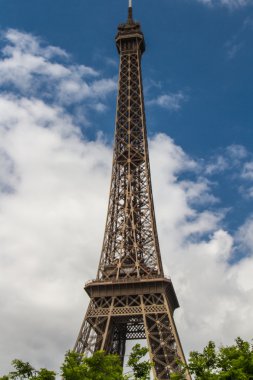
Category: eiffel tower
[131,299]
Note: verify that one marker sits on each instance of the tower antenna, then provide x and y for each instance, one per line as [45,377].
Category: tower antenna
[130,11]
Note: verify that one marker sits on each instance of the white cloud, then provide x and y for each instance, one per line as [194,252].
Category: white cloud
[172,101]
[218,164]
[232,157]
[245,236]
[111,62]
[59,184]
[199,192]
[231,4]
[235,162]
[236,152]
[31,67]
[247,172]
[250,192]
[28,43]
[53,199]
[196,253]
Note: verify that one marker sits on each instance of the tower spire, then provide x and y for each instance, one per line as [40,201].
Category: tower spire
[130,11]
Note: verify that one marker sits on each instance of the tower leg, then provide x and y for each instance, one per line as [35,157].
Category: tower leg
[93,335]
[133,317]
[160,338]
[118,342]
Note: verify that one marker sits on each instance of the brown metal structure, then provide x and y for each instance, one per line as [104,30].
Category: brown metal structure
[130,298]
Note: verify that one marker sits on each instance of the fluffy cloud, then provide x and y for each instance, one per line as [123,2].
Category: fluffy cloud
[245,236]
[30,66]
[53,200]
[231,4]
[248,171]
[197,252]
[172,101]
[232,157]
[54,186]
[235,162]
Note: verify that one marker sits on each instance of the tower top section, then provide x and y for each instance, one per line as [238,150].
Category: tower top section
[130,36]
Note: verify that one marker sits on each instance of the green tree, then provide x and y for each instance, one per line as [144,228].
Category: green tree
[98,367]
[225,363]
[24,370]
[141,368]
[236,362]
[45,374]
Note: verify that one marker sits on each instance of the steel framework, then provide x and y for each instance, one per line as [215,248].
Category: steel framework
[130,298]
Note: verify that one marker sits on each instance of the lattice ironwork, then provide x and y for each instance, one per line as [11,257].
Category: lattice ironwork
[131,299]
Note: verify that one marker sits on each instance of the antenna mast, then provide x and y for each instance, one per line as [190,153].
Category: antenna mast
[130,11]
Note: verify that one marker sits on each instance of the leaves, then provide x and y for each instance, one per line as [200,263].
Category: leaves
[73,367]
[236,362]
[24,370]
[141,369]
[98,367]
[226,363]
[45,374]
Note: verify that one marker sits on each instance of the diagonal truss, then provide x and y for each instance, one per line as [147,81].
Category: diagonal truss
[130,298]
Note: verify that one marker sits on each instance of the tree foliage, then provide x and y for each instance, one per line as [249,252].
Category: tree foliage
[24,370]
[225,363]
[99,366]
[141,368]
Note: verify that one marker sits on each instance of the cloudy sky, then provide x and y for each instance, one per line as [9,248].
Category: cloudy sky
[58,82]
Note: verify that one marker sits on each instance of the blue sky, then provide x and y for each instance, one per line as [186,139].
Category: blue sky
[58,81]
[202,52]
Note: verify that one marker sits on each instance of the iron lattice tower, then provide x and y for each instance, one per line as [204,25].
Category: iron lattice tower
[130,298]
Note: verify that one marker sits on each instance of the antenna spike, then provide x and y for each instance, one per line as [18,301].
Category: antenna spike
[130,11]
